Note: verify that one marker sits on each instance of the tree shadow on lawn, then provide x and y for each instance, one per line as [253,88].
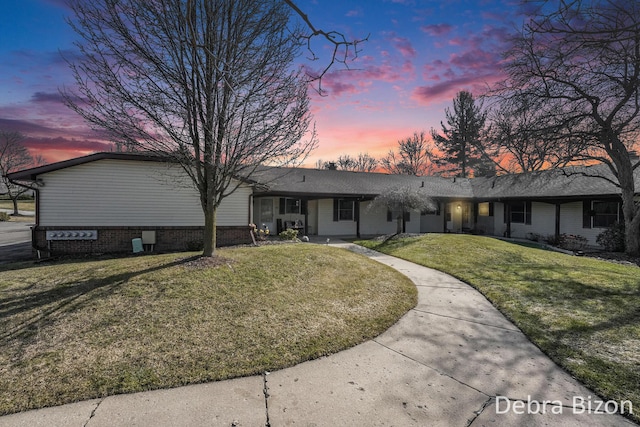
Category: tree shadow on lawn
[64,297]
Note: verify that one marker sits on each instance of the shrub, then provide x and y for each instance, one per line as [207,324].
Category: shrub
[4,216]
[612,239]
[571,242]
[289,234]
[574,242]
[534,237]
[554,240]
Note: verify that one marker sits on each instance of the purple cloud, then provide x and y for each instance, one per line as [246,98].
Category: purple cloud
[437,30]
[404,46]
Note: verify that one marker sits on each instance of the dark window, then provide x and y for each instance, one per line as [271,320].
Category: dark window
[521,212]
[345,210]
[292,206]
[605,214]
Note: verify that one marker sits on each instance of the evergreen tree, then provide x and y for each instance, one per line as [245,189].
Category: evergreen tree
[460,141]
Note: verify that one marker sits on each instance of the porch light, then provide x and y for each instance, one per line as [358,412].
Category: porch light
[458,207]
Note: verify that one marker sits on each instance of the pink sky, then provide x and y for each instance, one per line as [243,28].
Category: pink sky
[418,56]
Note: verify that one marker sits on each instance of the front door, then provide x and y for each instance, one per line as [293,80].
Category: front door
[266,213]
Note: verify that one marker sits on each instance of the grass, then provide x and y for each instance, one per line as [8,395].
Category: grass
[23,205]
[84,329]
[584,313]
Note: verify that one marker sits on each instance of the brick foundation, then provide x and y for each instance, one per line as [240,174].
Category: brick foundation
[118,239]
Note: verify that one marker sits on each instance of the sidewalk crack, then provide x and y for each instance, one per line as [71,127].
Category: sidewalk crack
[265,390]
[432,368]
[466,320]
[480,411]
[93,411]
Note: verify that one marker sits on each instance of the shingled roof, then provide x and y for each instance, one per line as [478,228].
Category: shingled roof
[320,183]
[568,183]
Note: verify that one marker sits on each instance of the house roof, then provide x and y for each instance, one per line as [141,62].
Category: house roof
[32,173]
[336,183]
[568,183]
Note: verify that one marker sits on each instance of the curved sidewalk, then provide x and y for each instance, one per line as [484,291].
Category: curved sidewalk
[453,360]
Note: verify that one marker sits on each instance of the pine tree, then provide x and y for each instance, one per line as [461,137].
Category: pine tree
[460,141]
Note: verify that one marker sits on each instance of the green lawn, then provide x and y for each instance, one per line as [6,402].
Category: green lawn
[83,329]
[584,313]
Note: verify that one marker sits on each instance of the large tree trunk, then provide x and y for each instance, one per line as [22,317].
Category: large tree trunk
[209,232]
[15,206]
[624,168]
[632,235]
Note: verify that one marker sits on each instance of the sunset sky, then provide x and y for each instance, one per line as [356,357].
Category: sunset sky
[418,56]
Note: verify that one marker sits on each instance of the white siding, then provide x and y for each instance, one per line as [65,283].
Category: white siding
[571,222]
[327,226]
[374,221]
[432,223]
[130,193]
[543,221]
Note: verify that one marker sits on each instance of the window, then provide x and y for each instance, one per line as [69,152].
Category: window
[485,209]
[520,212]
[343,210]
[266,210]
[289,206]
[605,214]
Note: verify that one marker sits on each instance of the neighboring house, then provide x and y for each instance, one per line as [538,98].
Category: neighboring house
[113,197]
[120,195]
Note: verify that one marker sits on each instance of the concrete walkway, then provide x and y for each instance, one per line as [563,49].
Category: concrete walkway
[454,360]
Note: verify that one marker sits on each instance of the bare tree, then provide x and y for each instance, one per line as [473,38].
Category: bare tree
[460,143]
[344,50]
[13,157]
[584,57]
[413,157]
[208,84]
[523,137]
[365,163]
[362,163]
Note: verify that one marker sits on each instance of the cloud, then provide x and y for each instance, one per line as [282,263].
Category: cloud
[55,97]
[57,143]
[404,46]
[437,30]
[354,13]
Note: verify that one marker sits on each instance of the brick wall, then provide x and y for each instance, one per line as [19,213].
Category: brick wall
[118,239]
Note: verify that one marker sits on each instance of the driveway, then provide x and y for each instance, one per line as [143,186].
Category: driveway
[15,241]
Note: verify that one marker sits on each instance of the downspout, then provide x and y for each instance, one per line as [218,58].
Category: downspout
[357,208]
[306,216]
[507,206]
[557,230]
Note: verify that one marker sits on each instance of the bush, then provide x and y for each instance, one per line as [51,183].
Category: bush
[4,216]
[554,240]
[289,234]
[574,242]
[612,239]
[571,242]
[534,237]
